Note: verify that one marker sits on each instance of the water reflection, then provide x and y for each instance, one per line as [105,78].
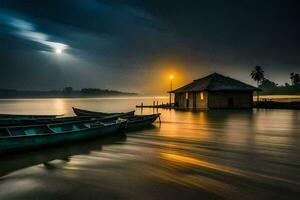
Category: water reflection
[190,155]
[45,157]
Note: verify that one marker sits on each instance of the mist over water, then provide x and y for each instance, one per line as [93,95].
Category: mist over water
[221,154]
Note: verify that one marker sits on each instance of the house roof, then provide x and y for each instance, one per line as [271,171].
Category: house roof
[215,82]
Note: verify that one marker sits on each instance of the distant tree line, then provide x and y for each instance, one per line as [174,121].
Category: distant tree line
[65,92]
[269,87]
[295,78]
[101,91]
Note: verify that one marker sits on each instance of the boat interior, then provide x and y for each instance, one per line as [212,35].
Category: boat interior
[67,127]
[47,129]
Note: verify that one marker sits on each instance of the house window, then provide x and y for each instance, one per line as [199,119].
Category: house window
[201,95]
[186,95]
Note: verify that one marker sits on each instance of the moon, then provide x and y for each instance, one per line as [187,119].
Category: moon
[58,51]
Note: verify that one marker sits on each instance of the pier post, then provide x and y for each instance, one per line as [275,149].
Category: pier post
[142,106]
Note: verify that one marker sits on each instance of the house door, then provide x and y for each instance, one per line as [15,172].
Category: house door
[230,102]
[194,99]
[187,99]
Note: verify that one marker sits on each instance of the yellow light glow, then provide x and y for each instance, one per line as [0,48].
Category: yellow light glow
[201,95]
[171,77]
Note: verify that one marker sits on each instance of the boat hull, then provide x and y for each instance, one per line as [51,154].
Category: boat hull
[148,120]
[137,122]
[81,112]
[7,117]
[13,144]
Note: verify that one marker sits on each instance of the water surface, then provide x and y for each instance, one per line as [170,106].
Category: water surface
[190,155]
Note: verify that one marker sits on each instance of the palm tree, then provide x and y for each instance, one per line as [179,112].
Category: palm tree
[295,78]
[292,75]
[257,75]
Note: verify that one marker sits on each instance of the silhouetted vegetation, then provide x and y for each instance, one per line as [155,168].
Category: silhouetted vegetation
[269,87]
[295,78]
[266,84]
[257,75]
[282,90]
[96,91]
[66,92]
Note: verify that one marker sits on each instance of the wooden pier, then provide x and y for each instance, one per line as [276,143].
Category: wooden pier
[294,105]
[266,104]
[156,105]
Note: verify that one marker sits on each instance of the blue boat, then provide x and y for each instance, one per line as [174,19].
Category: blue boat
[36,136]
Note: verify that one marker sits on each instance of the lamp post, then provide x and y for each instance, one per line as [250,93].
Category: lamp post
[170,100]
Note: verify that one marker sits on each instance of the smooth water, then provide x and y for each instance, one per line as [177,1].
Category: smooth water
[190,155]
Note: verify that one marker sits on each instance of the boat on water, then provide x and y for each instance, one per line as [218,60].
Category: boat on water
[134,121]
[19,138]
[81,112]
[7,117]
[23,122]
[33,121]
[138,121]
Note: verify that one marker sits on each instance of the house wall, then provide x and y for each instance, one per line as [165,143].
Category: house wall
[220,99]
[181,101]
[230,99]
[202,104]
[190,100]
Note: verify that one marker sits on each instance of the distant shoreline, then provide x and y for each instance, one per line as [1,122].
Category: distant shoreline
[65,97]
[70,93]
[279,98]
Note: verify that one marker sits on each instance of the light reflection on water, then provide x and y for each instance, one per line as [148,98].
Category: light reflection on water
[191,155]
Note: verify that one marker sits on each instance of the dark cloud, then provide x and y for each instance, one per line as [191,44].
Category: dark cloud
[127,44]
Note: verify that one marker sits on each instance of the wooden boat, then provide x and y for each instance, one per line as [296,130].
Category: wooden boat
[6,117]
[27,137]
[139,121]
[133,121]
[23,122]
[81,112]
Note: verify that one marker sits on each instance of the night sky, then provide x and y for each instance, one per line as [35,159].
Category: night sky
[135,45]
